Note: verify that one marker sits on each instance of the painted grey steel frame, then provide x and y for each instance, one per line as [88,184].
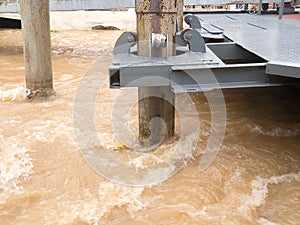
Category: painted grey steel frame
[65,5]
[189,72]
[203,68]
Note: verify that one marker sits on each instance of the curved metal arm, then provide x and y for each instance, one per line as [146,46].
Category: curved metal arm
[124,43]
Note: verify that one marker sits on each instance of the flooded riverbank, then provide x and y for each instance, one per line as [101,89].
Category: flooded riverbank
[255,178]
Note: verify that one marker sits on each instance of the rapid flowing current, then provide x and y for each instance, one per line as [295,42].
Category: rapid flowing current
[255,178]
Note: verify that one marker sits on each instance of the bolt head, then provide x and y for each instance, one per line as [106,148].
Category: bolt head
[188,36]
[189,19]
[130,39]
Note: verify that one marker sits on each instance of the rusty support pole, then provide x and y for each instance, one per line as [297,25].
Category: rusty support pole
[156,17]
[37,47]
[180,14]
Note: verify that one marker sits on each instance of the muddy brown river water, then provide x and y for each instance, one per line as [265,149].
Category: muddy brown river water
[255,178]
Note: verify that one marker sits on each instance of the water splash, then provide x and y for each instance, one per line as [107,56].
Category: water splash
[263,221]
[17,94]
[15,165]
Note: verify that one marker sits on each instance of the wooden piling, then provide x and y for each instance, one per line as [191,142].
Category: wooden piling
[37,47]
[156,17]
[180,14]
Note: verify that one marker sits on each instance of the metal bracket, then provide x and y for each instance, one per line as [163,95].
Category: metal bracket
[124,43]
[193,21]
[179,40]
[190,37]
[195,41]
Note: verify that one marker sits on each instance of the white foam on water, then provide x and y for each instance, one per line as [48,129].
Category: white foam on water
[198,213]
[276,131]
[15,165]
[109,196]
[118,195]
[47,131]
[17,94]
[260,191]
[263,221]
[182,151]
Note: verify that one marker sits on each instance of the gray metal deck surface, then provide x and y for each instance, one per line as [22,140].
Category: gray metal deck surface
[277,41]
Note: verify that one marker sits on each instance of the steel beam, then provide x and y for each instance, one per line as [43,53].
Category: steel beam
[73,5]
[283,69]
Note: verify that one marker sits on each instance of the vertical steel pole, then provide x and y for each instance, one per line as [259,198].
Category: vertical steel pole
[156,17]
[259,7]
[281,9]
[37,47]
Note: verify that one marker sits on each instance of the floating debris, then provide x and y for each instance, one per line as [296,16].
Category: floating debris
[101,27]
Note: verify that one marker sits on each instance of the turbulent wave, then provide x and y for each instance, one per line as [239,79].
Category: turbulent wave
[91,211]
[15,165]
[13,95]
[276,131]
[263,221]
[260,185]
[260,190]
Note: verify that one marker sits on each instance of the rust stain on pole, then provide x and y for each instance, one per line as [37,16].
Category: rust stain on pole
[156,17]
[155,5]
[37,47]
